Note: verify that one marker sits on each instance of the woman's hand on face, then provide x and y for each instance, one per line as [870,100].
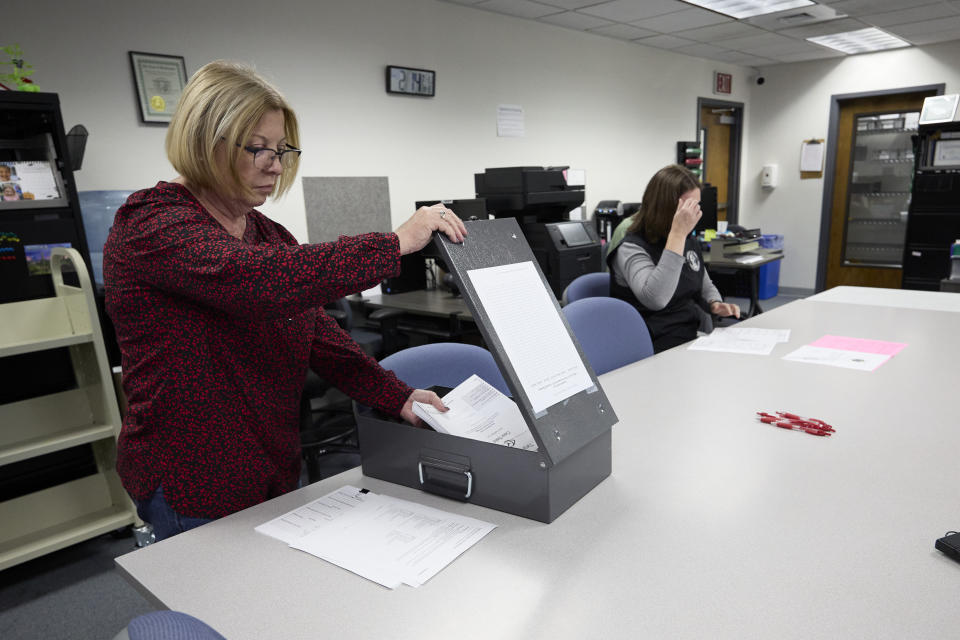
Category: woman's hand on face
[420,395]
[686,217]
[415,233]
[724,309]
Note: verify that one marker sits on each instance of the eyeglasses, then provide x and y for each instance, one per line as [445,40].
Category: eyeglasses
[263,157]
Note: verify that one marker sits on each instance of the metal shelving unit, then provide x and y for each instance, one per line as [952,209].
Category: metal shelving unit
[879,189]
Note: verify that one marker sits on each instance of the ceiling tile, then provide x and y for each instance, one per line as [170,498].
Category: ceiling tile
[859,7]
[570,4]
[632,10]
[574,20]
[699,50]
[623,32]
[818,54]
[464,1]
[904,16]
[764,39]
[777,50]
[681,20]
[719,32]
[745,59]
[927,27]
[933,38]
[665,41]
[825,28]
[519,8]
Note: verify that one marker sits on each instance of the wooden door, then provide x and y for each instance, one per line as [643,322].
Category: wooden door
[841,270]
[715,126]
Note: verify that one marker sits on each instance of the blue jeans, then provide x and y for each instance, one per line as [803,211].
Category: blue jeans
[165,521]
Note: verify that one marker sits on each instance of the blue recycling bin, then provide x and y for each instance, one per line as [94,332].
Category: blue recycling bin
[768,277]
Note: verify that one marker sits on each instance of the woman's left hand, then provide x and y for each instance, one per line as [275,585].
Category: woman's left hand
[420,395]
[724,309]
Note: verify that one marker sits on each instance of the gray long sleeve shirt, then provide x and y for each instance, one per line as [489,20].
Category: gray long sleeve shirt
[654,283]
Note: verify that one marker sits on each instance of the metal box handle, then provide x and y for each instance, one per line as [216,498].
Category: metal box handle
[445,479]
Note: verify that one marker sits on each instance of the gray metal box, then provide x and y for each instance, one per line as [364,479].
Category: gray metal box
[573,436]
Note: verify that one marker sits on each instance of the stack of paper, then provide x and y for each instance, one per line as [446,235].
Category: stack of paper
[479,411]
[741,340]
[386,540]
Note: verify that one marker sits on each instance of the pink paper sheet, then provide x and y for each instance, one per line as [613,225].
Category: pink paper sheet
[859,344]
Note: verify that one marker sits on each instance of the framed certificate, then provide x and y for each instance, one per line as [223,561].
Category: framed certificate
[159,81]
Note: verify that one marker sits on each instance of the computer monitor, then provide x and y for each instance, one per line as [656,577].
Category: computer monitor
[708,205]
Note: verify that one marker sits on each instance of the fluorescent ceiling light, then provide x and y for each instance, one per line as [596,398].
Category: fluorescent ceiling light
[749,8]
[860,41]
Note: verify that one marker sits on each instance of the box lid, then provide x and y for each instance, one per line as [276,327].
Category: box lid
[553,384]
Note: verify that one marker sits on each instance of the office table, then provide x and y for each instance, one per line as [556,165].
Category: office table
[450,317]
[729,263]
[712,524]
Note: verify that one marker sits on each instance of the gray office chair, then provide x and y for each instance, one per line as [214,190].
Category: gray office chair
[611,332]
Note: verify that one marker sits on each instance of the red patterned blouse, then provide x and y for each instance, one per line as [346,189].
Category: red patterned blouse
[216,335]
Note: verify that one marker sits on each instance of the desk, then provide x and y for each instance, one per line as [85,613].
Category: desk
[712,525]
[451,311]
[875,296]
[730,264]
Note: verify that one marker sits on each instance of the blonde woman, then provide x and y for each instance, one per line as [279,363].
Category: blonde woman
[218,309]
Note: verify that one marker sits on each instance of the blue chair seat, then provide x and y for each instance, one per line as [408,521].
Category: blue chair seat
[611,332]
[588,285]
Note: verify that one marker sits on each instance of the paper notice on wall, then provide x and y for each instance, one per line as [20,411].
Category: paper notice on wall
[510,121]
[811,155]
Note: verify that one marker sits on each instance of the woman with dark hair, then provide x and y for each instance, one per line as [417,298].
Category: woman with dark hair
[658,267]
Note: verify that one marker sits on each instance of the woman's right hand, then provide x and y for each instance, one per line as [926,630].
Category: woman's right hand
[686,217]
[415,233]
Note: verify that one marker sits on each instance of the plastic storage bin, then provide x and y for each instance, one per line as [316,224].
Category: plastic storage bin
[768,278]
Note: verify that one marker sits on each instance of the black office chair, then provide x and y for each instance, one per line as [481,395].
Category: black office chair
[328,430]
[380,338]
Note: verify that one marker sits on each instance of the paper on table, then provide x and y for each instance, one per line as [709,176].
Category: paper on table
[751,340]
[859,344]
[525,319]
[756,333]
[749,258]
[849,353]
[479,411]
[393,541]
[302,520]
[837,357]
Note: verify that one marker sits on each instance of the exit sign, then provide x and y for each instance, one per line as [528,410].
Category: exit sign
[722,82]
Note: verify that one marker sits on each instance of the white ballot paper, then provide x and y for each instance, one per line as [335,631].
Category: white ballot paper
[838,357]
[303,520]
[524,317]
[754,341]
[477,410]
[392,541]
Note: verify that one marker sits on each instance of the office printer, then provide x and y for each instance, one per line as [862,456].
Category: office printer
[541,200]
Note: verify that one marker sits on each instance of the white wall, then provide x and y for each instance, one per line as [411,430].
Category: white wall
[794,105]
[612,108]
